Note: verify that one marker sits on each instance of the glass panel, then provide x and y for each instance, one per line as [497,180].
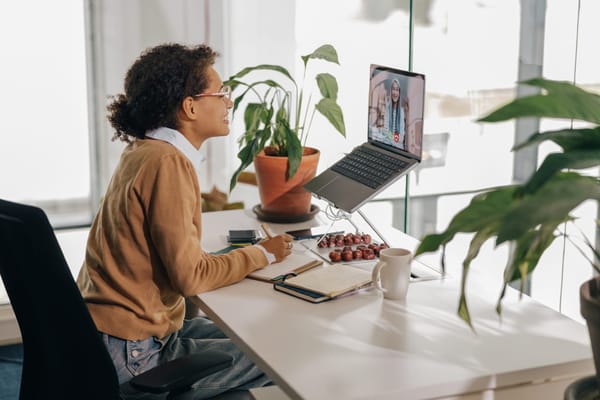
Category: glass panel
[364,33]
[469,53]
[480,43]
[569,54]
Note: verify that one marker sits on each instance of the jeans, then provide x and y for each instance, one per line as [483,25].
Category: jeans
[11,366]
[197,334]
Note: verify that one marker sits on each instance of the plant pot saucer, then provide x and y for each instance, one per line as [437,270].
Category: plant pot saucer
[284,219]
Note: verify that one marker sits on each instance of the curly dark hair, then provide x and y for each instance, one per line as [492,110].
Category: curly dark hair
[155,85]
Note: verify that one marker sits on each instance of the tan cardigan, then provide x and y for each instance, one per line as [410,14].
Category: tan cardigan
[143,253]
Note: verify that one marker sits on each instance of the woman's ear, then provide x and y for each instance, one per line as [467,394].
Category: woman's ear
[187,106]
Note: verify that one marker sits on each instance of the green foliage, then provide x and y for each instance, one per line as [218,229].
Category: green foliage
[278,116]
[529,214]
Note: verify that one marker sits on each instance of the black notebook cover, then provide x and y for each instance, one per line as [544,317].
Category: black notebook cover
[303,294]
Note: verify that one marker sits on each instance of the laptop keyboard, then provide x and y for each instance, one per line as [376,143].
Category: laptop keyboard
[368,166]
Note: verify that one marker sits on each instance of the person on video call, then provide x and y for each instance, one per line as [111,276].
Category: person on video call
[397,115]
[143,254]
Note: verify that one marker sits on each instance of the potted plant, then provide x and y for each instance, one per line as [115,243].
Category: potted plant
[277,119]
[530,215]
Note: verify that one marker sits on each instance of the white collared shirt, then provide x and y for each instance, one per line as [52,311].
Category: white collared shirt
[181,143]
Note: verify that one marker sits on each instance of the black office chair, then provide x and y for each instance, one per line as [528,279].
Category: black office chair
[63,354]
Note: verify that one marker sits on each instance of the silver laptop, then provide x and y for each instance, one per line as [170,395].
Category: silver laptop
[393,147]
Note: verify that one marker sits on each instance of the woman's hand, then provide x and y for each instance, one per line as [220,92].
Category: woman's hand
[280,246]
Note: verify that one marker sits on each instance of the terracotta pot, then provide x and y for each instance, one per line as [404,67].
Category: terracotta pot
[282,196]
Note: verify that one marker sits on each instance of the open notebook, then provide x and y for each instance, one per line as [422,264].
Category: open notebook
[293,265]
[325,283]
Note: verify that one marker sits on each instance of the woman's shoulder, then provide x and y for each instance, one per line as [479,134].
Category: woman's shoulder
[150,152]
[153,145]
[155,148]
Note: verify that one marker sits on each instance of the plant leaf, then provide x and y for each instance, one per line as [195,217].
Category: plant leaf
[280,131]
[592,248]
[252,117]
[552,202]
[434,241]
[525,257]
[568,139]
[294,150]
[327,86]
[562,100]
[555,162]
[233,83]
[527,252]
[255,143]
[485,211]
[246,156]
[325,52]
[478,240]
[332,111]
[263,136]
[261,67]
[251,88]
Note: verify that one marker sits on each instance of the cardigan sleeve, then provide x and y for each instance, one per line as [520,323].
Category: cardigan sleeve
[173,210]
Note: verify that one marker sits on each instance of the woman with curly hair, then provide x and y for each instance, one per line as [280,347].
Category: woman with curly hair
[143,254]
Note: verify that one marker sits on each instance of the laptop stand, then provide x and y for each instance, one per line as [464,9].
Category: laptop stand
[343,215]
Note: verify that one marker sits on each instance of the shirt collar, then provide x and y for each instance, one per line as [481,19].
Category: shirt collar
[179,141]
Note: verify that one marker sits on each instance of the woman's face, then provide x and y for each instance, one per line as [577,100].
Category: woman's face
[213,110]
[395,92]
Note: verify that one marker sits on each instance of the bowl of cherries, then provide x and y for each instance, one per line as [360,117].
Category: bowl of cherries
[350,247]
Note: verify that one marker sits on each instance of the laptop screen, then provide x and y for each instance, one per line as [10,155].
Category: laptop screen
[396,102]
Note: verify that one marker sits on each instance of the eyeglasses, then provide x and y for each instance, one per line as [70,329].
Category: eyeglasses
[224,93]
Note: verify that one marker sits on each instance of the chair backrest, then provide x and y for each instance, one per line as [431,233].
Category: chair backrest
[63,354]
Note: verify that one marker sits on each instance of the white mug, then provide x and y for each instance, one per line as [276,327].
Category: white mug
[391,275]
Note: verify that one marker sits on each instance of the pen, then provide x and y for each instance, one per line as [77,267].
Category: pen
[266,231]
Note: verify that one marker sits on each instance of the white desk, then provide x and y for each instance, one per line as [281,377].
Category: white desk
[365,347]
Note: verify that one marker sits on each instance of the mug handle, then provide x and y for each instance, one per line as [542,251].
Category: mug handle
[375,275]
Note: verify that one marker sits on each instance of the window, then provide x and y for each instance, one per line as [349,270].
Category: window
[44,157]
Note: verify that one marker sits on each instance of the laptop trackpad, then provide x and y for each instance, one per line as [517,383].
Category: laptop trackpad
[345,193]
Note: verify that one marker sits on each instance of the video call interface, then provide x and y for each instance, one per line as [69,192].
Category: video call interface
[396,101]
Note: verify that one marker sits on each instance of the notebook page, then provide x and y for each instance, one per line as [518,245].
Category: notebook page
[294,263]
